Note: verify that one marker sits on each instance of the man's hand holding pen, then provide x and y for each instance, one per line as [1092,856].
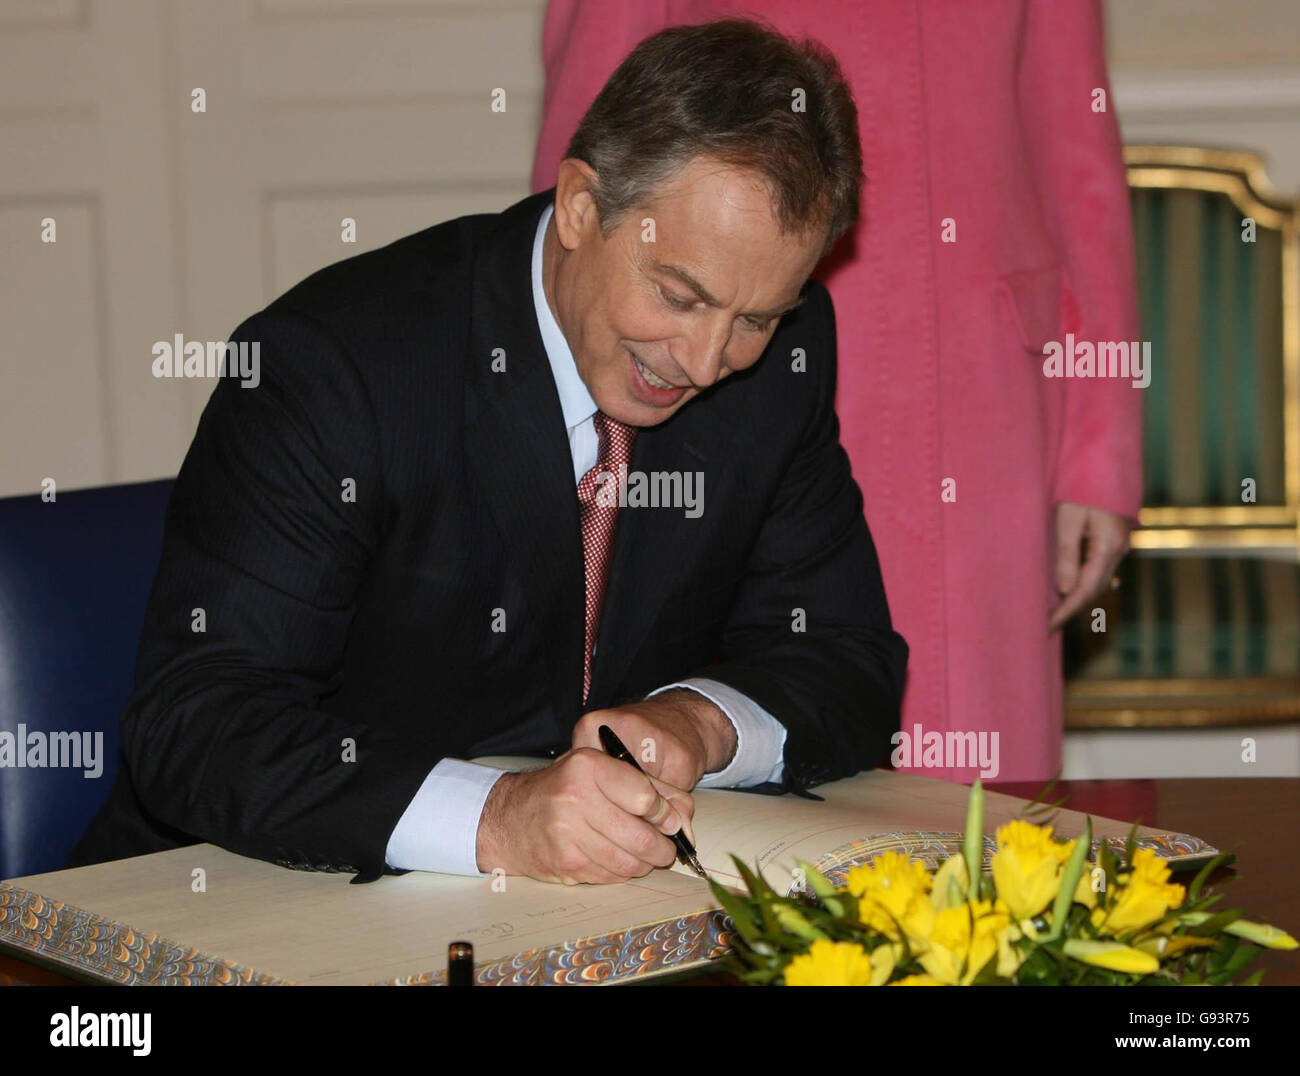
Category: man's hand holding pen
[589,817]
[678,736]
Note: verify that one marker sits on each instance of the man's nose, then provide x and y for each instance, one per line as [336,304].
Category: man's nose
[705,350]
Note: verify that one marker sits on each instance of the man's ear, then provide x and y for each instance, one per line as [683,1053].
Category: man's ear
[576,216]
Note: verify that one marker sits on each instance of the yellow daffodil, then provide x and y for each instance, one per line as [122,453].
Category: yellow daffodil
[1167,947]
[883,960]
[1083,892]
[1009,955]
[829,963]
[1259,933]
[893,891]
[918,980]
[1027,867]
[952,873]
[963,940]
[1144,896]
[1111,955]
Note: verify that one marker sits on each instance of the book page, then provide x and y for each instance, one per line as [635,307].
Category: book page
[774,832]
[769,830]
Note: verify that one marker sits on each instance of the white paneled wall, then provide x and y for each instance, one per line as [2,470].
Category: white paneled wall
[174,221]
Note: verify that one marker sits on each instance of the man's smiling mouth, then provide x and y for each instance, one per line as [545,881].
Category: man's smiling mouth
[651,377]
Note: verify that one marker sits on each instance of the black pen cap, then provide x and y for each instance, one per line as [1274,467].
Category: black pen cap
[460,964]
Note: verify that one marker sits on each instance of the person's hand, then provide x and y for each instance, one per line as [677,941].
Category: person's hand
[587,817]
[677,736]
[1085,571]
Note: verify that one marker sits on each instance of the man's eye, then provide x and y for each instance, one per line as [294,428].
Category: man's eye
[756,326]
[676,303]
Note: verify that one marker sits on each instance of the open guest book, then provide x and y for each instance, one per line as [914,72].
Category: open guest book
[148,920]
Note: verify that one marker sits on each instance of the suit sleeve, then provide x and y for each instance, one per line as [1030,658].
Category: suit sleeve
[809,636]
[225,737]
[1078,165]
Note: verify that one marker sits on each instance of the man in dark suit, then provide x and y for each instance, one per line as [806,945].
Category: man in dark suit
[375,565]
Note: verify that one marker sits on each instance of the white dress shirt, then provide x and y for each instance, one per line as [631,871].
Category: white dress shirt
[439,829]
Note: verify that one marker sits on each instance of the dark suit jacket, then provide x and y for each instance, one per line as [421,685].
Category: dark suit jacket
[369,622]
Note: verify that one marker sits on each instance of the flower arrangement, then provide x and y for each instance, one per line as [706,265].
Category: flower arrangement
[1043,915]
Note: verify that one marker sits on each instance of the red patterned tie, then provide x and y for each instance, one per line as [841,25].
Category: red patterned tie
[598,520]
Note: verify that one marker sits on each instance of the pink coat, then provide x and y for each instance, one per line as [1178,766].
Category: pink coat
[982,113]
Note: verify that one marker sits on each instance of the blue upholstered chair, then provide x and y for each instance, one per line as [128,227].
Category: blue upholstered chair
[75,575]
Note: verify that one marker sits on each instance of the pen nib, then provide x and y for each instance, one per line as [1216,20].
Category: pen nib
[695,864]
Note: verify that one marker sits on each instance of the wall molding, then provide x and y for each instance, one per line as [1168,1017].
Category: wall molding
[1210,93]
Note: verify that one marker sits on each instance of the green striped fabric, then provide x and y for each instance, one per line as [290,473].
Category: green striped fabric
[1191,616]
[1211,308]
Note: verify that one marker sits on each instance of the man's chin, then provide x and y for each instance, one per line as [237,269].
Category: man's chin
[634,412]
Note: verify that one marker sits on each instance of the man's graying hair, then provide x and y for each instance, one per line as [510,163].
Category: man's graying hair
[726,89]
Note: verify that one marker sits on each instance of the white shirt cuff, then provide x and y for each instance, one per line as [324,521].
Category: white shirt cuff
[760,737]
[438,831]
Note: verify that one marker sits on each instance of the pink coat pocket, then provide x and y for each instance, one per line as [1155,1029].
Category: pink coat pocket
[1041,302]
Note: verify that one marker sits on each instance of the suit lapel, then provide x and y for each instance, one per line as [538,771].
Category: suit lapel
[517,443]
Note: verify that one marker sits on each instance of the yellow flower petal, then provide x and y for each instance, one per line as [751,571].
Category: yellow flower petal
[829,963]
[1111,955]
[952,870]
[1027,867]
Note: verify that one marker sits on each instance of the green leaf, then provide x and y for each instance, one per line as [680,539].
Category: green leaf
[763,895]
[1043,813]
[738,910]
[1109,864]
[1217,960]
[1215,923]
[1069,880]
[755,883]
[1194,890]
[823,887]
[1130,843]
[955,895]
[973,843]
[1039,969]
[1038,800]
[1244,955]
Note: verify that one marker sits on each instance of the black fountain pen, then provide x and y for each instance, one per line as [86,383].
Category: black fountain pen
[685,850]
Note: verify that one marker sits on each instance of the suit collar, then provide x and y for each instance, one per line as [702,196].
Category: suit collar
[575,399]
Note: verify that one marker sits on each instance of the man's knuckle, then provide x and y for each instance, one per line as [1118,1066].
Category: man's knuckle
[626,865]
[645,843]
